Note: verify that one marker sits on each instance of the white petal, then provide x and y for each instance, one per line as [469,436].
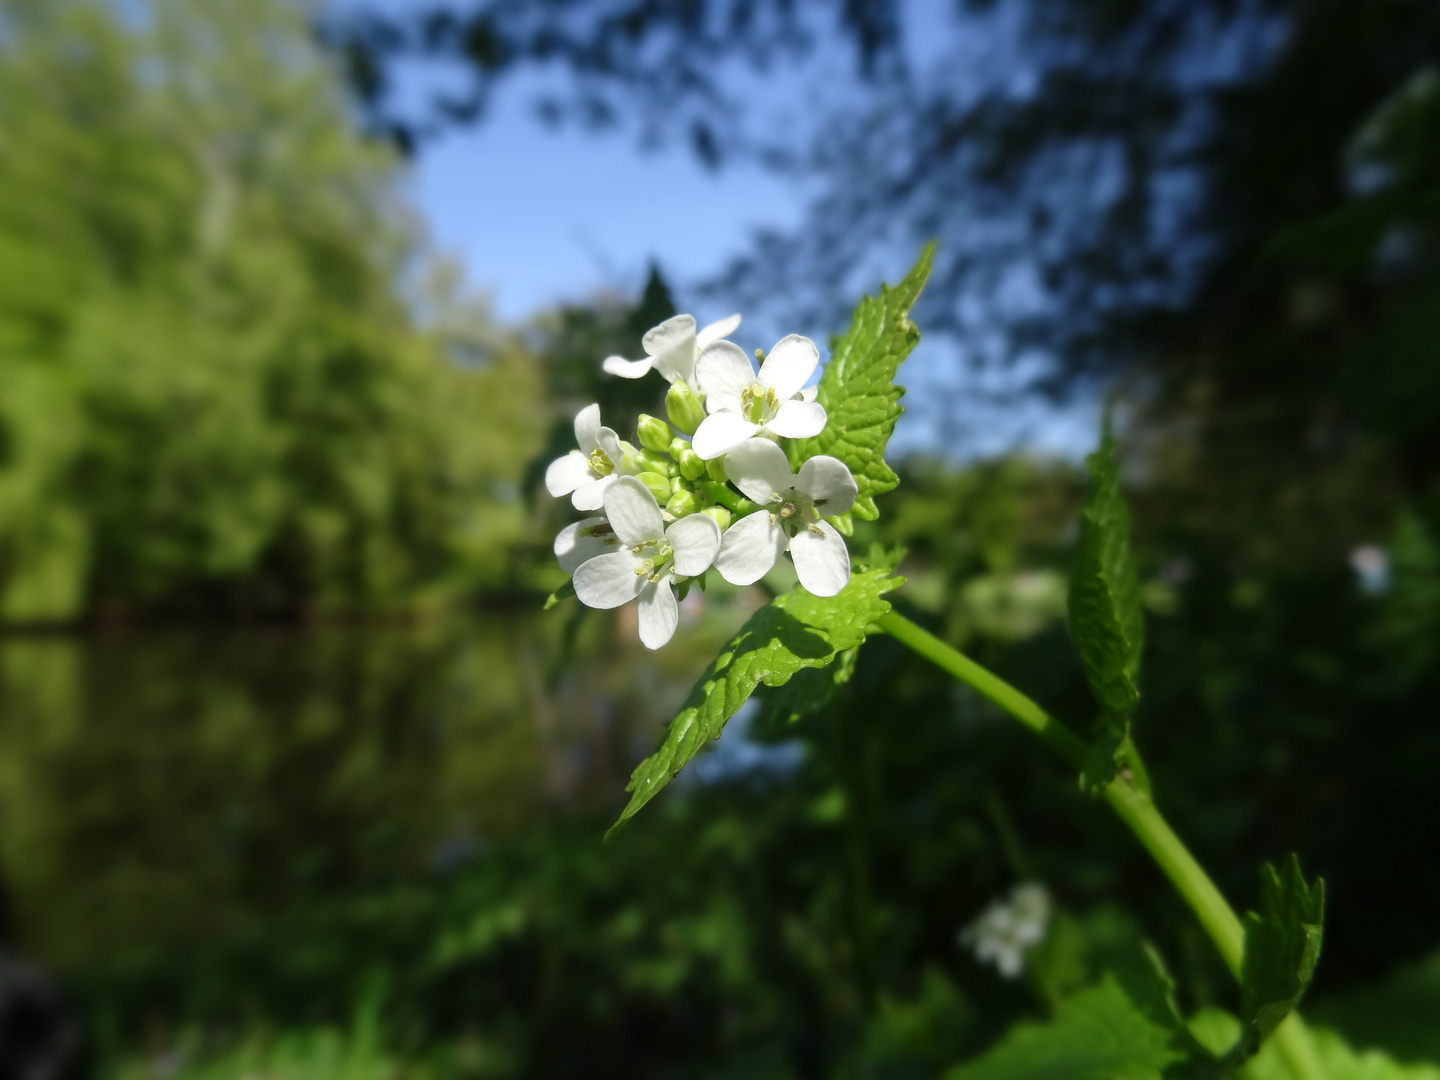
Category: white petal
[572,549]
[716,331]
[759,468]
[607,581]
[672,344]
[724,370]
[720,433]
[695,539]
[587,429]
[633,512]
[610,443]
[749,549]
[822,561]
[565,474]
[826,480]
[789,364]
[659,613]
[797,419]
[627,369]
[809,393]
[591,494]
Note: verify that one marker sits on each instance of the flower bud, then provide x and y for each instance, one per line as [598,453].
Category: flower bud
[721,516]
[677,447]
[691,465]
[653,433]
[683,503]
[650,461]
[684,407]
[659,485]
[715,468]
[677,483]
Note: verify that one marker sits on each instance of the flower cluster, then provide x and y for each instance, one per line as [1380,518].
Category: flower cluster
[1007,927]
[713,487]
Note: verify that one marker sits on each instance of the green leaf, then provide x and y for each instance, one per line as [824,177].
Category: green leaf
[1097,1034]
[859,393]
[1104,606]
[1282,945]
[792,632]
[1217,1029]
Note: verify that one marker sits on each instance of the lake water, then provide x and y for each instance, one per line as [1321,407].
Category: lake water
[169,786]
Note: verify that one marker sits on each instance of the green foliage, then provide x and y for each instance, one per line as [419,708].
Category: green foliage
[216,395]
[1282,946]
[858,390]
[1217,1029]
[791,633]
[1096,1034]
[1106,620]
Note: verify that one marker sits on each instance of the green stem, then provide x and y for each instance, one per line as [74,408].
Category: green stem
[727,498]
[1129,798]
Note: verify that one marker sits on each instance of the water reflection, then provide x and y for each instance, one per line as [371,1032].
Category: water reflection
[176,786]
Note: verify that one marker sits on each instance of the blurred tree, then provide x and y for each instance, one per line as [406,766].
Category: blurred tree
[215,394]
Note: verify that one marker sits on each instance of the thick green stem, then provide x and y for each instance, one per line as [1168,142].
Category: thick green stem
[1130,799]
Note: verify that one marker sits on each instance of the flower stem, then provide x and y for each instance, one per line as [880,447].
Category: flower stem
[1131,801]
[725,497]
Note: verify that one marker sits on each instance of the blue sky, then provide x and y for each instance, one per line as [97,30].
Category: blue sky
[537,215]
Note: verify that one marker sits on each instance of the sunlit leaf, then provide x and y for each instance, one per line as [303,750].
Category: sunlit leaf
[859,393]
[791,633]
[1097,1034]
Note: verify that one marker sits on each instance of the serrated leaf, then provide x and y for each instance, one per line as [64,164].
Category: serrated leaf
[1097,1034]
[1104,604]
[1282,946]
[859,393]
[792,632]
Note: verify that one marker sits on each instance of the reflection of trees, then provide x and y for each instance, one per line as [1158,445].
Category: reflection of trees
[162,787]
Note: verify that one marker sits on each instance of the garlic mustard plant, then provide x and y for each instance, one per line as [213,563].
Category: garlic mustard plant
[743,403]
[672,349]
[793,508]
[771,466]
[584,474]
[650,559]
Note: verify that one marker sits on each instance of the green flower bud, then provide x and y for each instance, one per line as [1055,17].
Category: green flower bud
[677,447]
[715,467]
[659,485]
[691,466]
[677,483]
[684,407]
[683,503]
[653,433]
[650,461]
[722,516]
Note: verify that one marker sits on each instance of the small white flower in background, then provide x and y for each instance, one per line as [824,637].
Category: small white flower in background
[587,472]
[672,348]
[1009,926]
[1371,564]
[743,404]
[793,505]
[651,560]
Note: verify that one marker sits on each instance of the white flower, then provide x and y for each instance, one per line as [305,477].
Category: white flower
[672,348]
[793,507]
[588,471]
[1006,928]
[652,560]
[743,404]
[583,541]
